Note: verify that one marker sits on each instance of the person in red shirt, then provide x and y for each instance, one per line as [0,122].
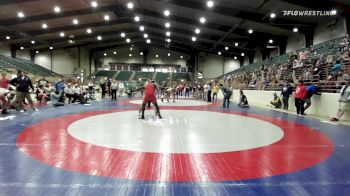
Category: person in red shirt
[300,95]
[150,95]
[4,82]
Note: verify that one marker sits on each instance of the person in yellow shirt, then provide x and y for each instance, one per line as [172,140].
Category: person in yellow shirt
[216,89]
[276,102]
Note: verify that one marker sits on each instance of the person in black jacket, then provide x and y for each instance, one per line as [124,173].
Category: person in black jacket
[287,90]
[23,84]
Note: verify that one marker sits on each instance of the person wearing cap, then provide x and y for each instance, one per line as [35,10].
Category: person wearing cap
[344,99]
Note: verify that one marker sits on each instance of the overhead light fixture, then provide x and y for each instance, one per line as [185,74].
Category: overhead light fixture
[37,51]
[88,31]
[167,25]
[272,15]
[226,48]
[242,54]
[168,33]
[334,12]
[157,56]
[32,42]
[137,18]
[8,37]
[114,52]
[94,4]
[22,48]
[169,54]
[20,14]
[130,5]
[71,41]
[219,53]
[168,40]
[62,34]
[99,38]
[202,20]
[270,41]
[210,4]
[148,41]
[122,35]
[106,17]
[250,31]
[194,39]
[130,49]
[128,40]
[236,44]
[235,58]
[295,29]
[75,21]
[51,48]
[104,54]
[197,31]
[142,28]
[145,35]
[44,26]
[130,55]
[57,9]
[141,53]
[166,12]
[181,57]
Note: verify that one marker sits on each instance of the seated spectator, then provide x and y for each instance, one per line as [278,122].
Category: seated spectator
[335,70]
[243,101]
[41,94]
[55,96]
[276,102]
[69,91]
[4,100]
[344,99]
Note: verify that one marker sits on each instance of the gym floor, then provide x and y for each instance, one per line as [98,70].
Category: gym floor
[196,149]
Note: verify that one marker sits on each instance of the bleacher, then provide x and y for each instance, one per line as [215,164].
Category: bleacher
[26,66]
[181,76]
[142,75]
[124,75]
[105,74]
[161,77]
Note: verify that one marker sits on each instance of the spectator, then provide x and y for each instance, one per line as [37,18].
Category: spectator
[4,101]
[243,101]
[209,91]
[55,96]
[310,91]
[41,94]
[344,100]
[114,89]
[227,95]
[287,90]
[216,89]
[300,95]
[335,70]
[23,84]
[43,82]
[276,102]
[103,88]
[69,91]
[59,85]
[109,83]
[4,82]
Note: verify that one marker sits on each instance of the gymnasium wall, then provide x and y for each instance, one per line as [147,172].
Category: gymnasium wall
[329,30]
[213,66]
[257,56]
[5,49]
[23,54]
[295,42]
[325,105]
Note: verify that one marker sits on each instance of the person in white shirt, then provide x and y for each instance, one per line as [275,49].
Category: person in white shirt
[344,99]
[69,91]
[121,88]
[114,89]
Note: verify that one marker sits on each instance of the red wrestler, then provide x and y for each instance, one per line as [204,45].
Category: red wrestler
[149,95]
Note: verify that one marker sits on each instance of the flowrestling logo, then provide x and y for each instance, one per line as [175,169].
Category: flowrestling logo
[309,13]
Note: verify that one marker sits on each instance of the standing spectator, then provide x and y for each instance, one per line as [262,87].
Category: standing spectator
[243,101]
[216,89]
[181,88]
[300,95]
[23,84]
[187,90]
[227,95]
[276,102]
[109,83]
[311,90]
[344,100]
[114,89]
[4,82]
[287,90]
[209,92]
[59,85]
[103,88]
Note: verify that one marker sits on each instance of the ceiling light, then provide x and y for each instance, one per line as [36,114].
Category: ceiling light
[242,54]
[167,25]
[219,53]
[166,12]
[71,41]
[235,58]
[226,48]
[270,41]
[20,14]
[62,34]
[130,55]
[272,15]
[51,48]
[168,54]
[236,44]
[94,4]
[33,42]
[130,49]
[137,18]
[181,57]
[37,51]
[75,21]
[22,48]
[334,12]
[141,53]
[57,9]
[194,39]
[197,31]
[128,40]
[145,35]
[8,37]
[130,5]
[105,54]
[210,4]
[148,41]
[202,20]
[295,29]
[106,17]
[44,26]
[168,40]
[142,28]
[114,52]
[250,31]
[168,34]
[157,56]
[88,31]
[99,38]
[122,34]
